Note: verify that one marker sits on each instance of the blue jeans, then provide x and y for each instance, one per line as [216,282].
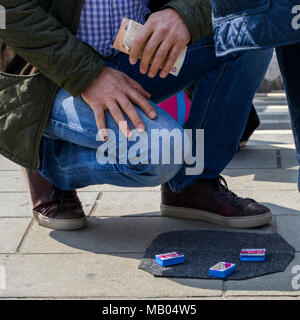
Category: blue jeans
[290,69]
[259,24]
[221,104]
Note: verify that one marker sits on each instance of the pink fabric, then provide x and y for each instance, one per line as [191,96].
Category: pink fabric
[171,106]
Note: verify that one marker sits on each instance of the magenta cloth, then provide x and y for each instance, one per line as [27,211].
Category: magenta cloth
[172,107]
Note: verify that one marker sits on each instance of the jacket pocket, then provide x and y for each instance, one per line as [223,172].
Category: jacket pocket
[229,9]
[24,101]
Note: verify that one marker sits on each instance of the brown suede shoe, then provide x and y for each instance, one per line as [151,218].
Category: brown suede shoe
[54,208]
[212,201]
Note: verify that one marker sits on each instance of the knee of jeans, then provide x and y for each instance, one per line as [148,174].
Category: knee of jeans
[159,174]
[150,175]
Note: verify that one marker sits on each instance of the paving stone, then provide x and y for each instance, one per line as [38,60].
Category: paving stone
[128,203]
[275,125]
[268,139]
[88,200]
[275,117]
[262,179]
[280,202]
[14,205]
[249,158]
[259,298]
[107,187]
[288,158]
[277,284]
[18,204]
[148,204]
[106,235]
[90,275]
[265,106]
[288,227]
[276,112]
[12,181]
[12,231]
[270,99]
[266,101]
[6,164]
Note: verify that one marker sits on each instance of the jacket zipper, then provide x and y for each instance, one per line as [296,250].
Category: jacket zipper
[74,27]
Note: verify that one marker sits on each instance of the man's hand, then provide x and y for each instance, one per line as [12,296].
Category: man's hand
[163,37]
[113,90]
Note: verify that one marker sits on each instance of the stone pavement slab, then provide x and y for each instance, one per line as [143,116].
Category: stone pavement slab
[274,117]
[88,200]
[12,231]
[289,228]
[254,159]
[107,187]
[262,179]
[91,275]
[6,164]
[18,204]
[128,204]
[12,181]
[277,284]
[281,202]
[279,125]
[147,204]
[272,98]
[117,235]
[14,205]
[288,158]
[268,139]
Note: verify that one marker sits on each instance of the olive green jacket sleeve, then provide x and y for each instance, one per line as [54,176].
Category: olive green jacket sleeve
[43,41]
[197,16]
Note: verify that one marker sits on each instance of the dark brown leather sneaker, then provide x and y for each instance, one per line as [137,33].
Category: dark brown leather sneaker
[212,201]
[54,208]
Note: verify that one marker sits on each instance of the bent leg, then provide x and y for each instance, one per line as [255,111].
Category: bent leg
[221,105]
[221,102]
[73,157]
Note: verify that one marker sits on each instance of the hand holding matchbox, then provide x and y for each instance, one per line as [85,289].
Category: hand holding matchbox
[128,31]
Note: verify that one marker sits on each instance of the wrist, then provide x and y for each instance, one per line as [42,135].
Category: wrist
[179,13]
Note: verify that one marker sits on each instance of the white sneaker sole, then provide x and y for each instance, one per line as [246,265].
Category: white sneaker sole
[59,224]
[236,222]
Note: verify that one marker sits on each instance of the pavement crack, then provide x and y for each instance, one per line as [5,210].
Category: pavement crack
[278,159]
[92,211]
[20,246]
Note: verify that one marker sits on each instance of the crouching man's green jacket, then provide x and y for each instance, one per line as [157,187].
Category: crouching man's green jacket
[40,53]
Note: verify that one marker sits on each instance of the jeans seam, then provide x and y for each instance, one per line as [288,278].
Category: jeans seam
[75,128]
[50,136]
[211,95]
[202,47]
[111,169]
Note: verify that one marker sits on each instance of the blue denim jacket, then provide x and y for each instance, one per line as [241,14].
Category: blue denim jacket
[253,24]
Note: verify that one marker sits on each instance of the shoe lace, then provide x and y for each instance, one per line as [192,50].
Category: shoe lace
[222,186]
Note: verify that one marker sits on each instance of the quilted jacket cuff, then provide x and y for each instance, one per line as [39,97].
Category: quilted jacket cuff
[197,17]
